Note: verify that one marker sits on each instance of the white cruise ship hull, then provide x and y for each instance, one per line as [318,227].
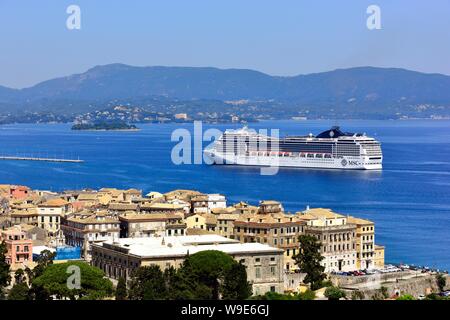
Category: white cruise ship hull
[343,163]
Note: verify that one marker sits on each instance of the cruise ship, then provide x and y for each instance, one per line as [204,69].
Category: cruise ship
[331,149]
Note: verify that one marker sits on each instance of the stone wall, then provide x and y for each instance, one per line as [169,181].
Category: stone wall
[423,284]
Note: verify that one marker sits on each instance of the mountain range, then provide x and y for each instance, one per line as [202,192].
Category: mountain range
[367,89]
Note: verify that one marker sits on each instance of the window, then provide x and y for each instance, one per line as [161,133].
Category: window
[272,289]
[257,272]
[272,270]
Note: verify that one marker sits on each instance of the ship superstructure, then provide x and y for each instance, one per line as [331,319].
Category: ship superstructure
[331,149]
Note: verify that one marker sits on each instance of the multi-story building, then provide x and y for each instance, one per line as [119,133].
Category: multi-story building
[82,229]
[216,201]
[160,207]
[273,227]
[115,194]
[378,260]
[243,207]
[337,238]
[118,208]
[26,216]
[50,214]
[199,204]
[203,221]
[19,248]
[134,225]
[365,242]
[225,224]
[88,199]
[119,258]
[132,194]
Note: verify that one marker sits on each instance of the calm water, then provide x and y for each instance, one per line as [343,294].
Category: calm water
[408,200]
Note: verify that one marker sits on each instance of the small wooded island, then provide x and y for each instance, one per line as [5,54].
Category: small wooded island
[105,126]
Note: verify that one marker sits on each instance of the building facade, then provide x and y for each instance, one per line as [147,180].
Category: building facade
[337,238]
[118,259]
[19,247]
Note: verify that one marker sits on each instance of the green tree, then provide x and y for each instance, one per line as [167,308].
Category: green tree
[441,281]
[93,284]
[276,296]
[148,283]
[44,260]
[207,270]
[19,291]
[406,297]
[121,290]
[334,293]
[308,260]
[235,284]
[5,276]
[307,295]
[19,276]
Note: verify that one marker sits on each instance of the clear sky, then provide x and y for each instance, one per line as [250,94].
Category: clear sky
[279,37]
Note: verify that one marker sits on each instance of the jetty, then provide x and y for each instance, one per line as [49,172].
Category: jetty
[40,159]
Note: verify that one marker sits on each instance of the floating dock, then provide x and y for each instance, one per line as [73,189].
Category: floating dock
[40,159]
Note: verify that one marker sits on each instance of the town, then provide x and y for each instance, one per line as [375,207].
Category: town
[120,231]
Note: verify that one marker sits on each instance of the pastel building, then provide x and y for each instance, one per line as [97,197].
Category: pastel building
[19,247]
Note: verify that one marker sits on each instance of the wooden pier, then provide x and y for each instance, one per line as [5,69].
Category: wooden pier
[40,159]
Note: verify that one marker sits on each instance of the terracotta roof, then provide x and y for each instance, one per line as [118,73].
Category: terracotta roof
[197,231]
[57,202]
[93,219]
[87,196]
[228,216]
[358,221]
[133,191]
[269,202]
[323,213]
[135,217]
[122,206]
[162,206]
[23,213]
[268,219]
[201,197]
[228,210]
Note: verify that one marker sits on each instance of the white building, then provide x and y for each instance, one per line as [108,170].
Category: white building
[216,201]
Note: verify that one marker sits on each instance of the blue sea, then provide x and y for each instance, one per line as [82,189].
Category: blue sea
[409,200]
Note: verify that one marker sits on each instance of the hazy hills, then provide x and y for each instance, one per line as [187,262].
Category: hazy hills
[366,89]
